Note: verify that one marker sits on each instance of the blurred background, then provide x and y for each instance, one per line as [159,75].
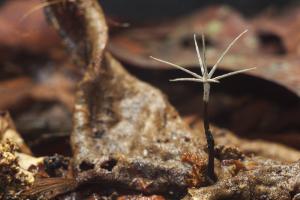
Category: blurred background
[135,10]
[38,78]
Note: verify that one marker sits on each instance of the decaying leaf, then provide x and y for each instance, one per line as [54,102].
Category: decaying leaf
[125,131]
[8,132]
[262,148]
[55,87]
[18,33]
[15,161]
[276,182]
[13,178]
[127,134]
[173,42]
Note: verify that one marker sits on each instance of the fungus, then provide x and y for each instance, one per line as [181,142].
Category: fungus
[206,78]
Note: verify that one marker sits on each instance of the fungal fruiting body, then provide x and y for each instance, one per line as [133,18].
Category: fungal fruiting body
[206,78]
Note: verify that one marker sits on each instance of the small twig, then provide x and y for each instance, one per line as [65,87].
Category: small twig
[206,78]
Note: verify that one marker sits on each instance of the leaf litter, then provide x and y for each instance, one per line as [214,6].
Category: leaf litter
[128,136]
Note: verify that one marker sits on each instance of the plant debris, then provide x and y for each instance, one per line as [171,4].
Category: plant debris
[125,132]
[127,140]
[14,179]
[8,132]
[268,182]
[174,42]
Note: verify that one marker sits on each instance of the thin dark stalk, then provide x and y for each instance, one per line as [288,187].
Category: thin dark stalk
[209,137]
[210,145]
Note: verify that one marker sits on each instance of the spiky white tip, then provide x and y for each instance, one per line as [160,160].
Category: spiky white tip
[206,76]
